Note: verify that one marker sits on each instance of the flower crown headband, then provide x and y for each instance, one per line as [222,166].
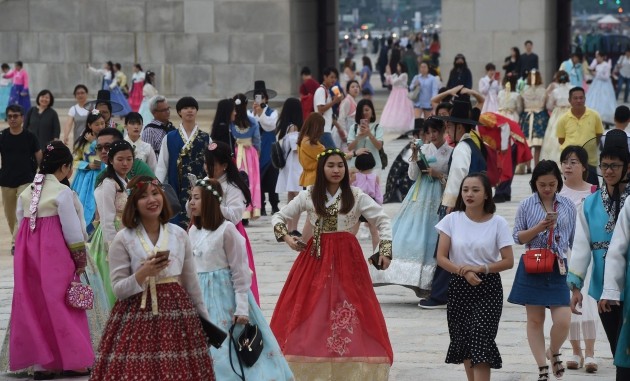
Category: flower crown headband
[141,185]
[208,186]
[330,152]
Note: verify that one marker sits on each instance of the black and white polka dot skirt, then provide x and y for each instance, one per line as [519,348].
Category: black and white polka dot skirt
[473,320]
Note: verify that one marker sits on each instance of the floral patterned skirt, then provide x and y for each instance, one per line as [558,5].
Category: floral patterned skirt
[328,321]
[138,345]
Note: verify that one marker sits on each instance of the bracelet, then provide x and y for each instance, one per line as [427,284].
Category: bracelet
[487,268]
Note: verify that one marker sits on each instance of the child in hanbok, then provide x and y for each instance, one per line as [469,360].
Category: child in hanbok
[110,198]
[414,235]
[225,278]
[154,330]
[87,164]
[46,333]
[398,112]
[246,131]
[328,321]
[236,197]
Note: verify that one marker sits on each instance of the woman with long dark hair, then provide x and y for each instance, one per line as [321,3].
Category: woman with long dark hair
[110,199]
[246,132]
[148,92]
[366,74]
[49,253]
[219,165]
[512,64]
[87,163]
[327,319]
[137,82]
[288,130]
[223,118]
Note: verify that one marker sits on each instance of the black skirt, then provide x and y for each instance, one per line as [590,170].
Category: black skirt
[473,320]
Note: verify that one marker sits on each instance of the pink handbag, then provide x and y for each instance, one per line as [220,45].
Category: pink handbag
[79,295]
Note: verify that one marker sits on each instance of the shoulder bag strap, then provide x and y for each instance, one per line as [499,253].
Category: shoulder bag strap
[232,341]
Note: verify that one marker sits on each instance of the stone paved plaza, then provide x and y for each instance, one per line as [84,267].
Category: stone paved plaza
[419,337]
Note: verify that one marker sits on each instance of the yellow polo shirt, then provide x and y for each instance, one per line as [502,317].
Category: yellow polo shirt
[577,132]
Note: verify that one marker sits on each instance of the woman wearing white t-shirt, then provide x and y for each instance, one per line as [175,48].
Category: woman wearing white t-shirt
[475,293]
[78,115]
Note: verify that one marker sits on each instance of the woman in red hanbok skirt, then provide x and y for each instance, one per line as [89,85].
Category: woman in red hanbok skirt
[328,321]
[137,83]
[154,331]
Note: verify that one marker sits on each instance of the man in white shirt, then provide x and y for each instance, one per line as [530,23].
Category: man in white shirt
[323,103]
[622,119]
[623,68]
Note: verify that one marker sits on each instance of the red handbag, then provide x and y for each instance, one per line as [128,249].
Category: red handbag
[540,260]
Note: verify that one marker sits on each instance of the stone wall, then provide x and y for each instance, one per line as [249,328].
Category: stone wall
[207,48]
[485,30]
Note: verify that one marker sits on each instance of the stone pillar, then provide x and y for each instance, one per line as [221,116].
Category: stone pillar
[206,48]
[485,30]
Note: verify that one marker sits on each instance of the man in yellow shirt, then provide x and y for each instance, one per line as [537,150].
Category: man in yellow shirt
[581,126]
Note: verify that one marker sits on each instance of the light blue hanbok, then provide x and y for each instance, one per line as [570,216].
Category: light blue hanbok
[414,236]
[84,181]
[225,278]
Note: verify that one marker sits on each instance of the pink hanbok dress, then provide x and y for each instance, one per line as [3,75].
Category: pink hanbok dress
[45,332]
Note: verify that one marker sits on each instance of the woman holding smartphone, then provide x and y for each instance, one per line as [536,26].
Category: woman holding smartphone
[110,199]
[154,328]
[543,217]
[366,133]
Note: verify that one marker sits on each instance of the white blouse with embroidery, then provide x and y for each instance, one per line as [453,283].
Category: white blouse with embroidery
[143,151]
[127,254]
[224,248]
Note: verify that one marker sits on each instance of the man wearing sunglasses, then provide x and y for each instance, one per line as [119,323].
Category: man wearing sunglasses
[20,154]
[104,140]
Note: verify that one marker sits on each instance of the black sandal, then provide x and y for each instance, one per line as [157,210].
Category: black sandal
[39,375]
[543,373]
[73,373]
[556,364]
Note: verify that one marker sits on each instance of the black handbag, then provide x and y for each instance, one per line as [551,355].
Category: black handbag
[215,336]
[278,158]
[248,347]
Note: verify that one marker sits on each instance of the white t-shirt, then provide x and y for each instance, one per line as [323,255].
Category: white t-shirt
[319,99]
[76,109]
[475,243]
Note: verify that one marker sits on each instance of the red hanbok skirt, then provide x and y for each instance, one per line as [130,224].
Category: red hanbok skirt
[135,98]
[328,321]
[138,345]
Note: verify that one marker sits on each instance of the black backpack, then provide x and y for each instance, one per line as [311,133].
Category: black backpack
[278,158]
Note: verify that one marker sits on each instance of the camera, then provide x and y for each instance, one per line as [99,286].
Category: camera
[418,143]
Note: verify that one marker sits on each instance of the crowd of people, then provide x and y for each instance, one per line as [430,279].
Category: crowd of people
[153,215]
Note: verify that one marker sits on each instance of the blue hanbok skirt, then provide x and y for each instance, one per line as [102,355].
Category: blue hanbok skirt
[84,184]
[414,239]
[117,95]
[16,97]
[218,295]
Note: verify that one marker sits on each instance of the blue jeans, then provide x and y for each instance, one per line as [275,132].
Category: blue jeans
[621,82]
[327,141]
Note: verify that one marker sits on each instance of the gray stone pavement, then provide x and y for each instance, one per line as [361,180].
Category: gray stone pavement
[419,337]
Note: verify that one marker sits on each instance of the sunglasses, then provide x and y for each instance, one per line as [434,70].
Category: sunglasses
[14,116]
[106,146]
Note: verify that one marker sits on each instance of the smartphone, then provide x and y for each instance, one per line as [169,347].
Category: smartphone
[162,255]
[364,122]
[497,76]
[98,162]
[552,216]
[258,98]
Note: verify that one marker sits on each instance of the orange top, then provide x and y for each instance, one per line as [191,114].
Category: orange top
[307,153]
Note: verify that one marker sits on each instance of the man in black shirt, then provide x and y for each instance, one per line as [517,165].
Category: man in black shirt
[20,155]
[528,60]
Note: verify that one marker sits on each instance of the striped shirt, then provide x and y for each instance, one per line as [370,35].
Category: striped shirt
[154,132]
[531,211]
